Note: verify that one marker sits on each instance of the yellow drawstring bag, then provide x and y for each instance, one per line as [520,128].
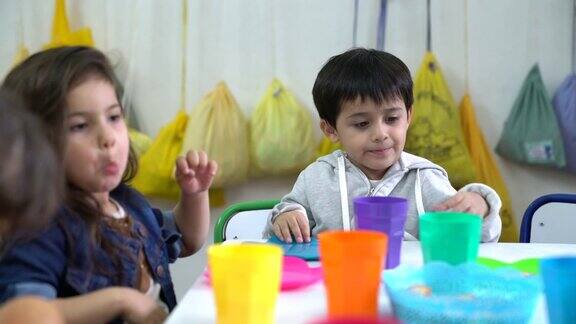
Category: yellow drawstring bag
[61,32]
[435,132]
[21,55]
[218,127]
[155,175]
[486,168]
[281,133]
[326,147]
[139,141]
[22,52]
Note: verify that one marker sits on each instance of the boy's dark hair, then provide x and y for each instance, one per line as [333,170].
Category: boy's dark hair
[360,73]
[44,81]
[31,179]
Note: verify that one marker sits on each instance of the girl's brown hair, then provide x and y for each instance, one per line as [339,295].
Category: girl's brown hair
[44,81]
[31,179]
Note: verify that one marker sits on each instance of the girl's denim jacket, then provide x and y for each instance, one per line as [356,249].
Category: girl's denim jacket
[59,261]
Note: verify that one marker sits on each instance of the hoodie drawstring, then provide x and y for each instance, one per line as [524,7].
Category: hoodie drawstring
[343,193]
[418,194]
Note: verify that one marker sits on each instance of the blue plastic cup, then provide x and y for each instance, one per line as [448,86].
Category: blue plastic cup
[559,275]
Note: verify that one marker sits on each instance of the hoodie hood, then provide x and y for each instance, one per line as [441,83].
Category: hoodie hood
[406,163]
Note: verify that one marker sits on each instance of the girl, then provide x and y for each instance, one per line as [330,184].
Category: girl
[107,253]
[29,167]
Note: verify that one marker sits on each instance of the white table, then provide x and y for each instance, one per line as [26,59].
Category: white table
[303,305]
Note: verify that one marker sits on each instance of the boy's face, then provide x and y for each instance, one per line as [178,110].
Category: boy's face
[373,135]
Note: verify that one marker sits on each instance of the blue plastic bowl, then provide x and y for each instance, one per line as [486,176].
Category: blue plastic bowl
[467,293]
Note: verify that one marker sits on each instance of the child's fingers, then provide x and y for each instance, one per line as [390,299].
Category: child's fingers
[278,232]
[450,203]
[285,232]
[461,207]
[295,228]
[182,166]
[192,158]
[202,160]
[304,227]
[212,168]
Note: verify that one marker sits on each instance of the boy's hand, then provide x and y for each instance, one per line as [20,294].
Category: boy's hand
[195,172]
[294,222]
[469,202]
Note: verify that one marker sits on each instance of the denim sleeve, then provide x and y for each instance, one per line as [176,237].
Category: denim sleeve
[170,234]
[34,267]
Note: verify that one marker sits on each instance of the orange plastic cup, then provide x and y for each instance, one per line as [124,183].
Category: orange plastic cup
[352,263]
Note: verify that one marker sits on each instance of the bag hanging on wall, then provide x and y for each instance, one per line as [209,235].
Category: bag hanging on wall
[156,165]
[22,53]
[139,141]
[565,107]
[61,32]
[531,134]
[486,169]
[435,131]
[281,133]
[326,147]
[218,127]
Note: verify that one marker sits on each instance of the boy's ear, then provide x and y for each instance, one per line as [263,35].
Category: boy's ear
[410,113]
[329,131]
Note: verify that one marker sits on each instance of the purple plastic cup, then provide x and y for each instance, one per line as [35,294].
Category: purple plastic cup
[384,214]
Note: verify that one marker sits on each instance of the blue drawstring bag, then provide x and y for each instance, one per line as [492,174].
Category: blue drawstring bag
[565,107]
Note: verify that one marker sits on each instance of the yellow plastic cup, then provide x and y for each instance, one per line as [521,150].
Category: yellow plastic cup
[246,282]
[352,263]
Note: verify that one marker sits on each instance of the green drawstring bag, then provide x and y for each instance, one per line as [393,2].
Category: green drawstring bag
[531,134]
[281,133]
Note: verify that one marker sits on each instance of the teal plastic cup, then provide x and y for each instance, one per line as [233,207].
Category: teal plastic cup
[559,276]
[450,237]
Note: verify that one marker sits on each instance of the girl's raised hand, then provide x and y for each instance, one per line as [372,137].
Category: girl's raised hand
[195,172]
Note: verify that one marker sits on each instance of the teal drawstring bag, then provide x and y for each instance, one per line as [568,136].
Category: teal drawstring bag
[531,134]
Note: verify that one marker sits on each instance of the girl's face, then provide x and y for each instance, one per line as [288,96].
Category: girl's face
[97,144]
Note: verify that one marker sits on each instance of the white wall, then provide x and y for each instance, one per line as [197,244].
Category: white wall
[248,42]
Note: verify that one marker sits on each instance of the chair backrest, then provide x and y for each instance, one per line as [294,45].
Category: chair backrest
[244,220]
[550,219]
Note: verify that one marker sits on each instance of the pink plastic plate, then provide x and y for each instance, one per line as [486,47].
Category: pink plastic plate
[295,274]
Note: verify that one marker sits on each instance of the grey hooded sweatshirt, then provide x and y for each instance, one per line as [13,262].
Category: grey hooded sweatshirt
[316,193]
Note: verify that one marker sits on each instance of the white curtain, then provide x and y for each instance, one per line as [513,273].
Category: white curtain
[248,42]
[244,42]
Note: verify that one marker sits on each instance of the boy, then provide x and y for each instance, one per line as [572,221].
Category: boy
[364,99]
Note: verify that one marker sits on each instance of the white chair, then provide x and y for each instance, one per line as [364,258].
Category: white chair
[550,219]
[243,221]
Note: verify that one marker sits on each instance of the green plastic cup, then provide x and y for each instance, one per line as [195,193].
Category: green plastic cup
[450,237]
